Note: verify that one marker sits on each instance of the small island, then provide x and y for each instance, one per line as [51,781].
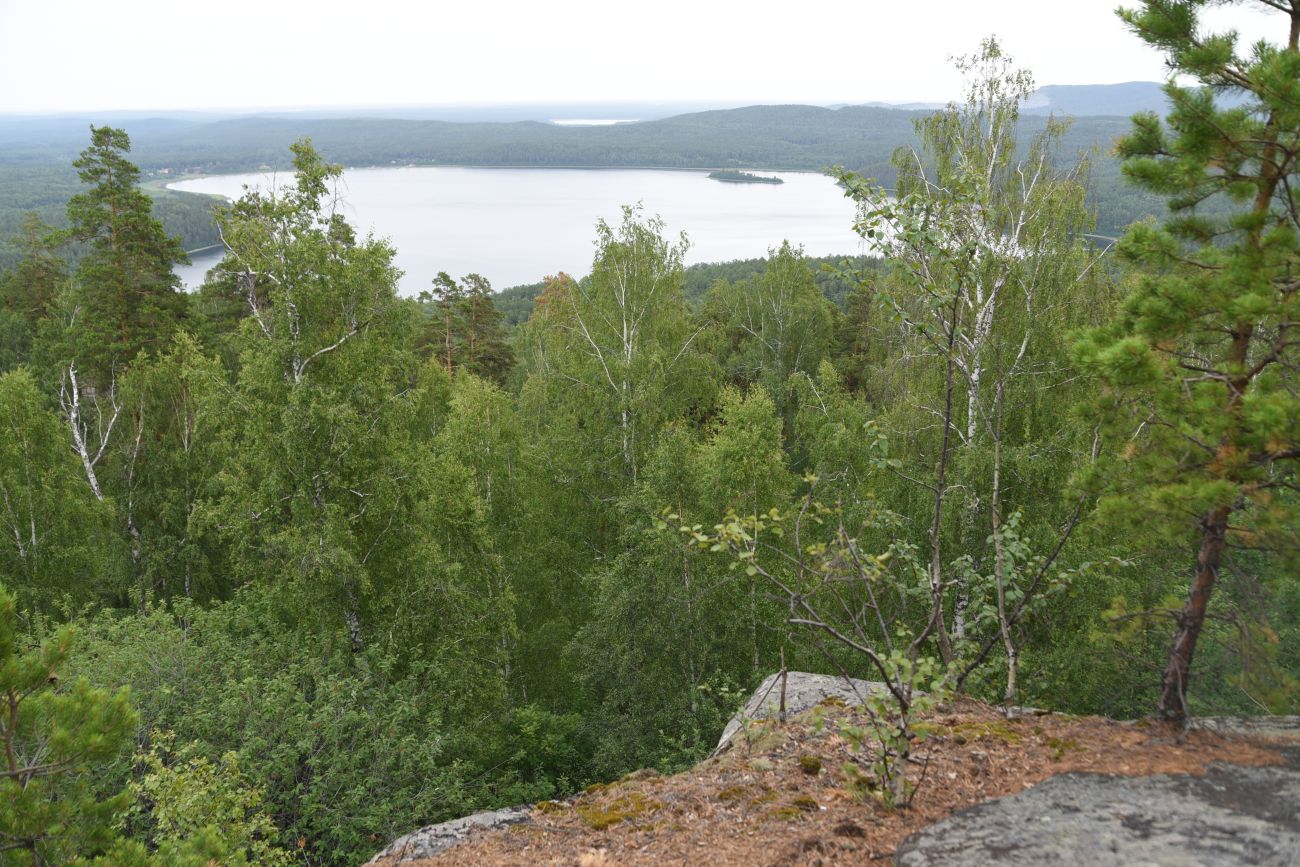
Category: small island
[733,177]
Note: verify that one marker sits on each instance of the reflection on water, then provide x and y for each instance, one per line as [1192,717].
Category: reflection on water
[516,226]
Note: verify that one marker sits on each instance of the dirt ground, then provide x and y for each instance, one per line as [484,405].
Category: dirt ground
[780,795]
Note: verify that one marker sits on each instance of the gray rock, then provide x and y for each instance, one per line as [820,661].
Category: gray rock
[802,691]
[1259,726]
[427,842]
[1232,815]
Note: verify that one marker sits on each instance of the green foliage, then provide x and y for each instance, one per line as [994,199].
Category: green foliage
[622,339]
[330,498]
[128,298]
[466,328]
[371,573]
[961,351]
[859,603]
[53,738]
[181,795]
[165,462]
[57,540]
[1199,368]
[42,187]
[349,749]
[884,744]
[772,326]
[29,288]
[734,177]
[834,276]
[1024,567]
[673,634]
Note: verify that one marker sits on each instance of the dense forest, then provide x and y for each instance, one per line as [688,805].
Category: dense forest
[291,564]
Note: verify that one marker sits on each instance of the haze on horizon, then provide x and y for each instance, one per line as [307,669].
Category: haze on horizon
[86,55]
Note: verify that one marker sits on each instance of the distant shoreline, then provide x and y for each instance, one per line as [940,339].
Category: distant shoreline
[166,183]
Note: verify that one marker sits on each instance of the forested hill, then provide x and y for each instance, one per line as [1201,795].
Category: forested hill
[776,137]
[35,154]
[769,136]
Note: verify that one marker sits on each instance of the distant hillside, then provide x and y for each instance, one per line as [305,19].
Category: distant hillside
[1085,100]
[36,153]
[1075,100]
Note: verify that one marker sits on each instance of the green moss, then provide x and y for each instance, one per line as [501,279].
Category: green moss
[999,729]
[733,793]
[630,806]
[549,807]
[811,765]
[767,796]
[761,764]
[787,813]
[806,803]
[596,788]
[1061,746]
[762,735]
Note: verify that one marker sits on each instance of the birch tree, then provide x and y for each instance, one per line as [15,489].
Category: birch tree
[773,325]
[173,444]
[124,298]
[55,537]
[333,501]
[621,339]
[985,239]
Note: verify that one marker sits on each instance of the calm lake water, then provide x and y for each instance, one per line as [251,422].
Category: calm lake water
[516,226]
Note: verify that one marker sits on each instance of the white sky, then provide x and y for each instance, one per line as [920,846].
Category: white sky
[60,55]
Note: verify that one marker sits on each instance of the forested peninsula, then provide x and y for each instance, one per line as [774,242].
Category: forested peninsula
[291,564]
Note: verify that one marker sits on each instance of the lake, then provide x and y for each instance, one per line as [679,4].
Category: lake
[516,226]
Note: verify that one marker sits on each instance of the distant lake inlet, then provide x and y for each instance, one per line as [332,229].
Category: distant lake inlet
[516,226]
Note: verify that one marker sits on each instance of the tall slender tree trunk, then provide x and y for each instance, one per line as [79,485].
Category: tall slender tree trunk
[1214,529]
[999,554]
[1173,686]
[446,326]
[937,620]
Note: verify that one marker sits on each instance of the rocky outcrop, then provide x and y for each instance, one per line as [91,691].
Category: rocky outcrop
[1232,815]
[1254,726]
[429,841]
[802,691]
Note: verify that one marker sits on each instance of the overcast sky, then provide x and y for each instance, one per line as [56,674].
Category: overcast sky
[60,55]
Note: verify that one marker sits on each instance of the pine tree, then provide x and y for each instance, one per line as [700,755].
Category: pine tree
[129,299]
[445,298]
[31,286]
[50,739]
[465,327]
[486,346]
[1202,363]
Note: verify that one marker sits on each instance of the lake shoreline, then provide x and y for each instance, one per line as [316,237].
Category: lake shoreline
[167,183]
[516,225]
